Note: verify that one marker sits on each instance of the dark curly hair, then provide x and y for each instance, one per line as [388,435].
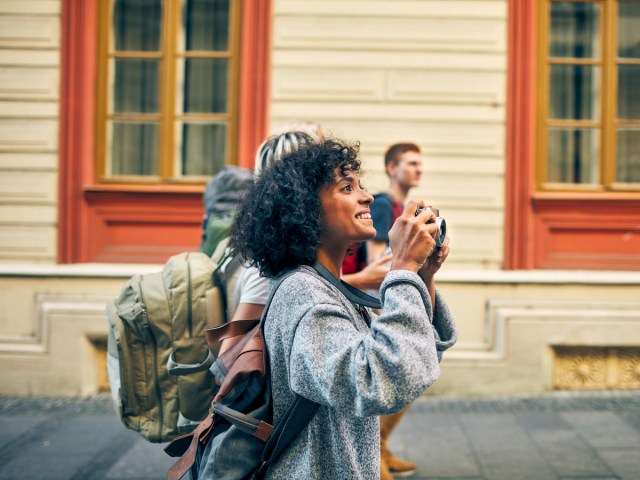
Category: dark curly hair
[278,224]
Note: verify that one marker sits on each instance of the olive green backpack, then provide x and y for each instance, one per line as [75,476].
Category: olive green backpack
[157,355]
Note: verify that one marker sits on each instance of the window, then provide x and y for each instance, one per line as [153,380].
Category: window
[178,89]
[573,135]
[166,101]
[589,114]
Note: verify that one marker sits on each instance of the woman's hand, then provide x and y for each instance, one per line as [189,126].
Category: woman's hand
[434,262]
[412,238]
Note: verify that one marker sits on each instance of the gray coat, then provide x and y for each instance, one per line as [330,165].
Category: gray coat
[320,347]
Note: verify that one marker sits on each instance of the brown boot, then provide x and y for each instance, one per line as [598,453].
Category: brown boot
[385,474]
[396,466]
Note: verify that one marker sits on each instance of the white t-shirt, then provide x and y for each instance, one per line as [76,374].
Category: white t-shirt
[244,285]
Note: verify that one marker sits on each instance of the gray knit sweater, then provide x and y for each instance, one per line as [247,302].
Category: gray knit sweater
[320,347]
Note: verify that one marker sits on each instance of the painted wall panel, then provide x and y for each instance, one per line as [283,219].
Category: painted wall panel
[388,33]
[29,58]
[40,7]
[28,214]
[392,112]
[28,135]
[28,161]
[400,86]
[465,191]
[31,109]
[350,84]
[436,138]
[316,57]
[29,125]
[447,86]
[28,187]
[385,8]
[29,83]
[28,243]
[429,72]
[33,31]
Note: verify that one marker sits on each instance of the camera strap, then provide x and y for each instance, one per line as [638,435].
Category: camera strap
[353,294]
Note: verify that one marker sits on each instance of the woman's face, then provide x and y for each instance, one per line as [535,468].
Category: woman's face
[346,216]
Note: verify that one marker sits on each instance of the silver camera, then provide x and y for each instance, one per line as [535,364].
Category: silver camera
[441,234]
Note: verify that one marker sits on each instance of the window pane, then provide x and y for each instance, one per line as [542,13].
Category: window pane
[574,90]
[575,30]
[134,148]
[205,85]
[629,29]
[629,91]
[203,148]
[135,86]
[628,156]
[206,24]
[137,25]
[573,154]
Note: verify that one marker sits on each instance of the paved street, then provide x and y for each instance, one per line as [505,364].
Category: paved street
[558,435]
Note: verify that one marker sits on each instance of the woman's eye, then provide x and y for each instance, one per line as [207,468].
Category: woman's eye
[346,188]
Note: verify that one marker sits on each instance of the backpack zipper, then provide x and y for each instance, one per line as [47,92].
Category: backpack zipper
[189,306]
[147,327]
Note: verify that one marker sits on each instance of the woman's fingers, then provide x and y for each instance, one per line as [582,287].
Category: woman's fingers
[411,237]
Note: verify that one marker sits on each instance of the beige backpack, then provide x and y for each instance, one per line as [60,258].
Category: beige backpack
[157,356]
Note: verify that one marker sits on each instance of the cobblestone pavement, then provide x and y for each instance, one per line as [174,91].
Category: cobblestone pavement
[559,435]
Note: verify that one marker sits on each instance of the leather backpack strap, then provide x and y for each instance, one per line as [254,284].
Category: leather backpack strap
[229,330]
[297,416]
[188,458]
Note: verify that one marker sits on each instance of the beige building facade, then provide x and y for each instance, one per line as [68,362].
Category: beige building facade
[432,72]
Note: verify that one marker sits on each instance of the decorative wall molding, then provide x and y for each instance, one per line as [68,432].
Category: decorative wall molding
[46,307]
[454,276]
[500,313]
[580,368]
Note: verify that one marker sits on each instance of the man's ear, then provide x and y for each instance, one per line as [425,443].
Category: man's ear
[391,169]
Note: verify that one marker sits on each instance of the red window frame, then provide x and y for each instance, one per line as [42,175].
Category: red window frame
[554,230]
[133,223]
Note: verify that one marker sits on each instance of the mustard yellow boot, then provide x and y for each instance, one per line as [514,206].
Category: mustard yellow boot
[385,474]
[388,461]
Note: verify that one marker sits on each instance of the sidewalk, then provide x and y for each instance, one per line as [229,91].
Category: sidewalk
[559,435]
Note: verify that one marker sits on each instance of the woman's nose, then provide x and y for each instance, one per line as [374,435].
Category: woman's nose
[366,197]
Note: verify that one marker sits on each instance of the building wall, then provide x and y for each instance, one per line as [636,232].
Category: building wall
[520,332]
[377,71]
[431,72]
[29,96]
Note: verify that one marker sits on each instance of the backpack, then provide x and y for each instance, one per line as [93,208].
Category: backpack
[221,198]
[215,228]
[157,356]
[238,439]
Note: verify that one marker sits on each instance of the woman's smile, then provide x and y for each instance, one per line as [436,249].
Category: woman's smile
[364,216]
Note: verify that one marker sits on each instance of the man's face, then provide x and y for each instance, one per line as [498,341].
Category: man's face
[408,170]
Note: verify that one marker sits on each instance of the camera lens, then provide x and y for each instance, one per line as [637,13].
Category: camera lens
[441,234]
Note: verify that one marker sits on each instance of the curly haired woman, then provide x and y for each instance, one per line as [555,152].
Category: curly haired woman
[308,208]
